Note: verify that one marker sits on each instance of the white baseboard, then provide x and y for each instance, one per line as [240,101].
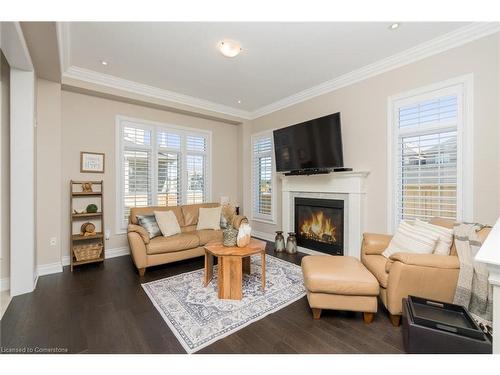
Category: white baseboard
[110,253]
[263,235]
[4,284]
[47,269]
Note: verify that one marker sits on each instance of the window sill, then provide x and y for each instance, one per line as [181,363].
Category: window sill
[265,221]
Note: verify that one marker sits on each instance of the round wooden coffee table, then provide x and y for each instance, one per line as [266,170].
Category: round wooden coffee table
[233,262]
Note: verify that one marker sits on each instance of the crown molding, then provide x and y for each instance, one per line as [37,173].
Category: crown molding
[151,91]
[437,45]
[434,46]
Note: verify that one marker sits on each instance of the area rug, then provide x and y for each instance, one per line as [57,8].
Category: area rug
[198,317]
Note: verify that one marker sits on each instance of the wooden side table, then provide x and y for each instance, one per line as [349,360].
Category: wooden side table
[233,262]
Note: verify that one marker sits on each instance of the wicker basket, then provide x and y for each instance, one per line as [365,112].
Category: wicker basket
[87,252]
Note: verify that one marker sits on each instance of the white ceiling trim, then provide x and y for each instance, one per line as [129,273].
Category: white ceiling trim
[437,45]
[151,91]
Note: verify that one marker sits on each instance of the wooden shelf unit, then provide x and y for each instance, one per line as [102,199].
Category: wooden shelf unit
[76,238]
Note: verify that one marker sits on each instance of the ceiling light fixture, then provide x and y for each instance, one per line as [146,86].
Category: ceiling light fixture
[239,101]
[104,62]
[394,26]
[229,48]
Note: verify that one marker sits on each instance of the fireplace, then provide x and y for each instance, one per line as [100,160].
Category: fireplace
[319,224]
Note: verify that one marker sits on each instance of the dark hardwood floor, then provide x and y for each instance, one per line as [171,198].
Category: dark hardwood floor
[102,308]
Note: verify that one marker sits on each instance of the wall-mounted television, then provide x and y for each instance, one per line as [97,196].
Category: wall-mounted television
[313,146]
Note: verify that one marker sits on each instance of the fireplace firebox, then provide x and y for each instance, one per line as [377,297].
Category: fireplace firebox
[319,224]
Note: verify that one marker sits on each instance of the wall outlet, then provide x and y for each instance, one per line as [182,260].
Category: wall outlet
[107,233]
[53,241]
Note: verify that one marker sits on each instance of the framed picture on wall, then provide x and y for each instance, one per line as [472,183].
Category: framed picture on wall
[91,162]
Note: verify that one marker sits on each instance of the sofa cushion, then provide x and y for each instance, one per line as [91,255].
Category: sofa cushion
[209,235]
[134,211]
[177,242]
[167,222]
[376,265]
[191,212]
[343,275]
[148,222]
[409,238]
[209,218]
[445,236]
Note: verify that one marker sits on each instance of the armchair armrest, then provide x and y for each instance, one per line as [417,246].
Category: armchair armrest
[139,230]
[427,260]
[374,243]
[238,219]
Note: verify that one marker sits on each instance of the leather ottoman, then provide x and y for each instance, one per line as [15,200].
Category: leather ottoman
[339,283]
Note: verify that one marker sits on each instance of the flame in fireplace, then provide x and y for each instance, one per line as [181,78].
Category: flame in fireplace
[318,227]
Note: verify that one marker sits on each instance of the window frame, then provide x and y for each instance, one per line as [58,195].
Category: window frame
[154,149]
[461,86]
[255,216]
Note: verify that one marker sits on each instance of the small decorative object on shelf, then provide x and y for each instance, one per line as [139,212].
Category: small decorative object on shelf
[87,229]
[230,236]
[291,243]
[87,187]
[244,235]
[279,242]
[91,208]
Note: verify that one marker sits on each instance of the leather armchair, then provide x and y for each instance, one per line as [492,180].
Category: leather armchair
[423,275]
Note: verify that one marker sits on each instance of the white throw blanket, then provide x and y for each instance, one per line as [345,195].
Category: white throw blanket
[473,289]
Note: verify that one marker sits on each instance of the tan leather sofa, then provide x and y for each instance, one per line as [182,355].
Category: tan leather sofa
[189,243]
[423,275]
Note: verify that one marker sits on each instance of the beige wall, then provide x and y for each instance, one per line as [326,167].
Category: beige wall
[5,167]
[364,125]
[48,171]
[89,123]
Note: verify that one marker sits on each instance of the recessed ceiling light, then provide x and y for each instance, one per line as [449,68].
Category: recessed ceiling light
[239,101]
[104,62]
[394,26]
[229,48]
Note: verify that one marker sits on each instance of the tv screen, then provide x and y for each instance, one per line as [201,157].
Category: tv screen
[314,144]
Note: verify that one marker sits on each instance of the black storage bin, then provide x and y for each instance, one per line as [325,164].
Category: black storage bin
[433,327]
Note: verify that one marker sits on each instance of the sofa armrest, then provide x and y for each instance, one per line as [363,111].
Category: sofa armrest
[374,243]
[238,219]
[427,260]
[140,231]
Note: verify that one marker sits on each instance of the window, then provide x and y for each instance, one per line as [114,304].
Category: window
[160,165]
[428,154]
[263,178]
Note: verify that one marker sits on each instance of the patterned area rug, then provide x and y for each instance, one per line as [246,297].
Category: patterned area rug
[198,318]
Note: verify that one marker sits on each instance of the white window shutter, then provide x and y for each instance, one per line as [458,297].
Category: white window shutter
[262,160]
[426,156]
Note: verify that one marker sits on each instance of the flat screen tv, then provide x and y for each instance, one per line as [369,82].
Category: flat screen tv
[310,145]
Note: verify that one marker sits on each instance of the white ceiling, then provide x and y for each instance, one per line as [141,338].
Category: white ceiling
[278,59]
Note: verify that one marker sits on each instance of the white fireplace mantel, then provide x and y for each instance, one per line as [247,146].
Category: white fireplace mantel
[347,186]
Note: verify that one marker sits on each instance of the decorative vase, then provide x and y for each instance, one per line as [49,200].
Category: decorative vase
[244,235]
[291,243]
[279,242]
[229,236]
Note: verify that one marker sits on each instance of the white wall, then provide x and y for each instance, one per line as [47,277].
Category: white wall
[364,125]
[49,167]
[4,173]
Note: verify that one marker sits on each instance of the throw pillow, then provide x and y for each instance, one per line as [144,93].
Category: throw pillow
[445,239]
[149,223]
[209,218]
[410,239]
[168,223]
